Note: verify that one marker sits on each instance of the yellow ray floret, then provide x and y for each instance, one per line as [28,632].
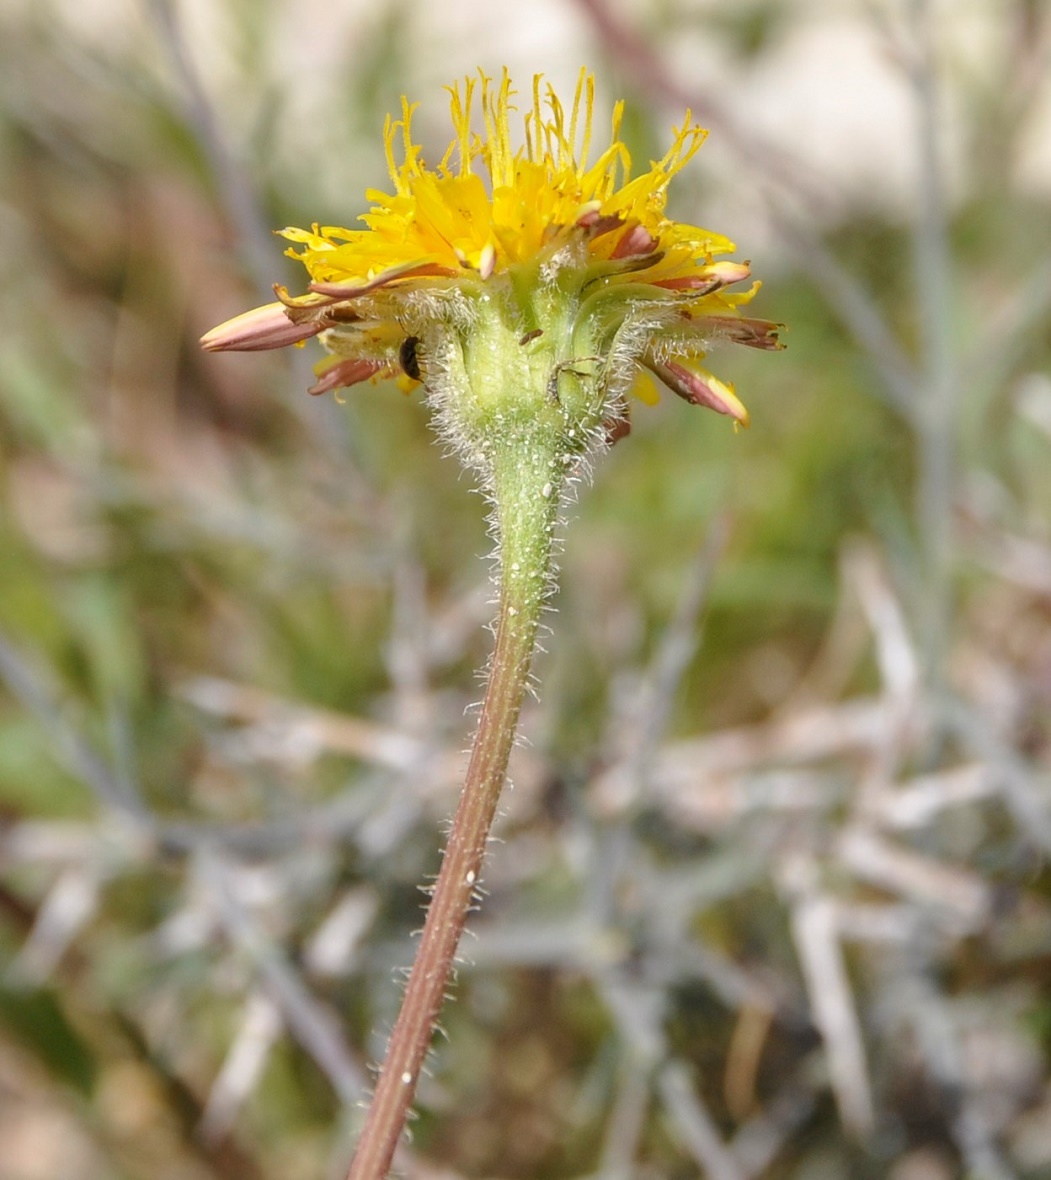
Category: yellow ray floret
[489,206]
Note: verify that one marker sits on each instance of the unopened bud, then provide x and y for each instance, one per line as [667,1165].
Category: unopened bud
[257,330]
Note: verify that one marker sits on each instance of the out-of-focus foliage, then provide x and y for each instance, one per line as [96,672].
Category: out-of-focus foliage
[772,898]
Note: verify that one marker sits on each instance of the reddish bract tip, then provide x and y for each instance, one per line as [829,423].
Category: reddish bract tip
[702,391]
[752,333]
[596,225]
[348,372]
[708,278]
[635,242]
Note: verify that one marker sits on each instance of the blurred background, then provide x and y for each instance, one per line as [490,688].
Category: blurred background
[771,896]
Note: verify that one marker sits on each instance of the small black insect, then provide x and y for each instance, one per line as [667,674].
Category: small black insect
[408,358]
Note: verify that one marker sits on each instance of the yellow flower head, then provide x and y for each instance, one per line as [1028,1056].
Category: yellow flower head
[631,286]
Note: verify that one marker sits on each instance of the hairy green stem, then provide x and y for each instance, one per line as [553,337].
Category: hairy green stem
[526,493]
